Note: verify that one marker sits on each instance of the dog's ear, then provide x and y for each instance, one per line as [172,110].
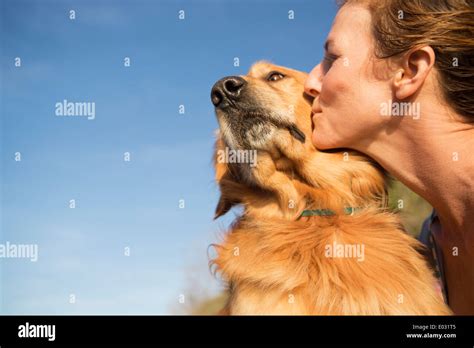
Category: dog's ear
[225,177]
[220,165]
[223,206]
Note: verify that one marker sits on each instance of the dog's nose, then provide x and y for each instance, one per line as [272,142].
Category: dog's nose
[227,88]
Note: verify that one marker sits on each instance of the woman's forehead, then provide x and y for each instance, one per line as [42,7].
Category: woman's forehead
[351,25]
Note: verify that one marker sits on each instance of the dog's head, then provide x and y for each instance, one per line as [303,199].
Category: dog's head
[268,102]
[264,157]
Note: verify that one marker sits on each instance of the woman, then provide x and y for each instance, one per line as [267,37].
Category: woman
[397,83]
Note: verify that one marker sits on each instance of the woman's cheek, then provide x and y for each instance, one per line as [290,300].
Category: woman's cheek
[334,90]
[342,109]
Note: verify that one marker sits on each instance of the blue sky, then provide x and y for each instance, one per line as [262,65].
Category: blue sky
[124,204]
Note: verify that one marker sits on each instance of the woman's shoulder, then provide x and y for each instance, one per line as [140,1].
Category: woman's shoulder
[433,252]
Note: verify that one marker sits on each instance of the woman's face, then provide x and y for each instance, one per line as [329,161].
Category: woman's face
[346,110]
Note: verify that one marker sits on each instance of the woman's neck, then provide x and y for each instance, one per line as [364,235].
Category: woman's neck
[433,156]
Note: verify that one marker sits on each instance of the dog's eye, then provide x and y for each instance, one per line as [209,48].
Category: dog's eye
[275,76]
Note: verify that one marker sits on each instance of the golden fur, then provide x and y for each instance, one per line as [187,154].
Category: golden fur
[273,260]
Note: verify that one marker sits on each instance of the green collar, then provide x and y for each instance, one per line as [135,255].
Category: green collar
[328,212]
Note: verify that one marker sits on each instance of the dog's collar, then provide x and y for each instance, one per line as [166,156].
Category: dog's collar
[328,212]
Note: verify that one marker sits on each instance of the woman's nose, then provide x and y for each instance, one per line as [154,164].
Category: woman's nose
[312,85]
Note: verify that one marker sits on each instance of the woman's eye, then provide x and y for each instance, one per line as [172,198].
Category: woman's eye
[328,60]
[275,76]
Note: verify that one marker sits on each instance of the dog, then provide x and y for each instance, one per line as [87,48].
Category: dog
[315,236]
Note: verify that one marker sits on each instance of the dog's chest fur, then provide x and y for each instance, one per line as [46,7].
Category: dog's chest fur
[284,268]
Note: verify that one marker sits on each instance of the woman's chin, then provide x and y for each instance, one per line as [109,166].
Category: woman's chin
[325,139]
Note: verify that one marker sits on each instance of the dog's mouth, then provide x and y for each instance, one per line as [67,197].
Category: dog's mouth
[253,128]
[297,133]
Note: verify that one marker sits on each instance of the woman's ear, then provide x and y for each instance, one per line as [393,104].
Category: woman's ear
[416,66]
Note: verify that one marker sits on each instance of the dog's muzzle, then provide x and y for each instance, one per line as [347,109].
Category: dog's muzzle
[227,91]
[244,114]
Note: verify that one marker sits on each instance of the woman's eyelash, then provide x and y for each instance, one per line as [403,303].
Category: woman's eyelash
[329,57]
[328,60]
